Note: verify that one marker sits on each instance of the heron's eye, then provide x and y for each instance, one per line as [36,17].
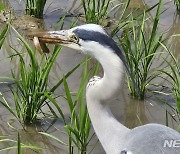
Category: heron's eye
[75,38]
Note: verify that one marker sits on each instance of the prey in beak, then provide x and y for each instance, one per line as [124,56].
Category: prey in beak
[63,37]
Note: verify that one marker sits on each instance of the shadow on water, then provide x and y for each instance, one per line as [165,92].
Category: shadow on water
[130,112]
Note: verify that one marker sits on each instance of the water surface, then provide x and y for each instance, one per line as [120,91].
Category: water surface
[130,112]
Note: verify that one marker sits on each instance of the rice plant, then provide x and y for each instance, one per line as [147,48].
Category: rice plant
[31,88]
[125,20]
[3,35]
[95,10]
[35,7]
[19,145]
[173,72]
[2,38]
[79,127]
[140,48]
[177,3]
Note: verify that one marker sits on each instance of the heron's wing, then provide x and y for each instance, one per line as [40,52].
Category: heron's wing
[150,139]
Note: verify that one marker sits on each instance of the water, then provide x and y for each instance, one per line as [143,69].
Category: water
[129,112]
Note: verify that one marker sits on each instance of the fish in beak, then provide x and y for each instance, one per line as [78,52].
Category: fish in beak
[62,37]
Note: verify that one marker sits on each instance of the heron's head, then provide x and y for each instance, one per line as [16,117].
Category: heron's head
[90,39]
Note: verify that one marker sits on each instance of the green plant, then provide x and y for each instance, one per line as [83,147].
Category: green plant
[2,38]
[173,72]
[3,35]
[125,20]
[31,88]
[35,7]
[95,10]
[79,127]
[2,6]
[16,144]
[140,48]
[19,145]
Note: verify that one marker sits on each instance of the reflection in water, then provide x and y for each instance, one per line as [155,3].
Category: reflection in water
[135,114]
[138,4]
[32,137]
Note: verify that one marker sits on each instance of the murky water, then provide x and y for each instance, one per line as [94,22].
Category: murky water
[130,112]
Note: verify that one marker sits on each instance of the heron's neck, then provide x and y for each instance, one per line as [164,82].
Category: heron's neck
[110,132]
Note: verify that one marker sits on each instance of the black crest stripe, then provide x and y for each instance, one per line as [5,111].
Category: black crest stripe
[102,39]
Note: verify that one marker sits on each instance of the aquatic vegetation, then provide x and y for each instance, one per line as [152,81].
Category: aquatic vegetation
[3,35]
[173,72]
[19,145]
[125,17]
[2,38]
[16,144]
[140,48]
[35,7]
[95,11]
[78,129]
[31,89]
[80,124]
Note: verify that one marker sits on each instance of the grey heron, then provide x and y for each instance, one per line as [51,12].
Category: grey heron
[115,138]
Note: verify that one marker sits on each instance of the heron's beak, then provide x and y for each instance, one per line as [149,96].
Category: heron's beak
[53,37]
